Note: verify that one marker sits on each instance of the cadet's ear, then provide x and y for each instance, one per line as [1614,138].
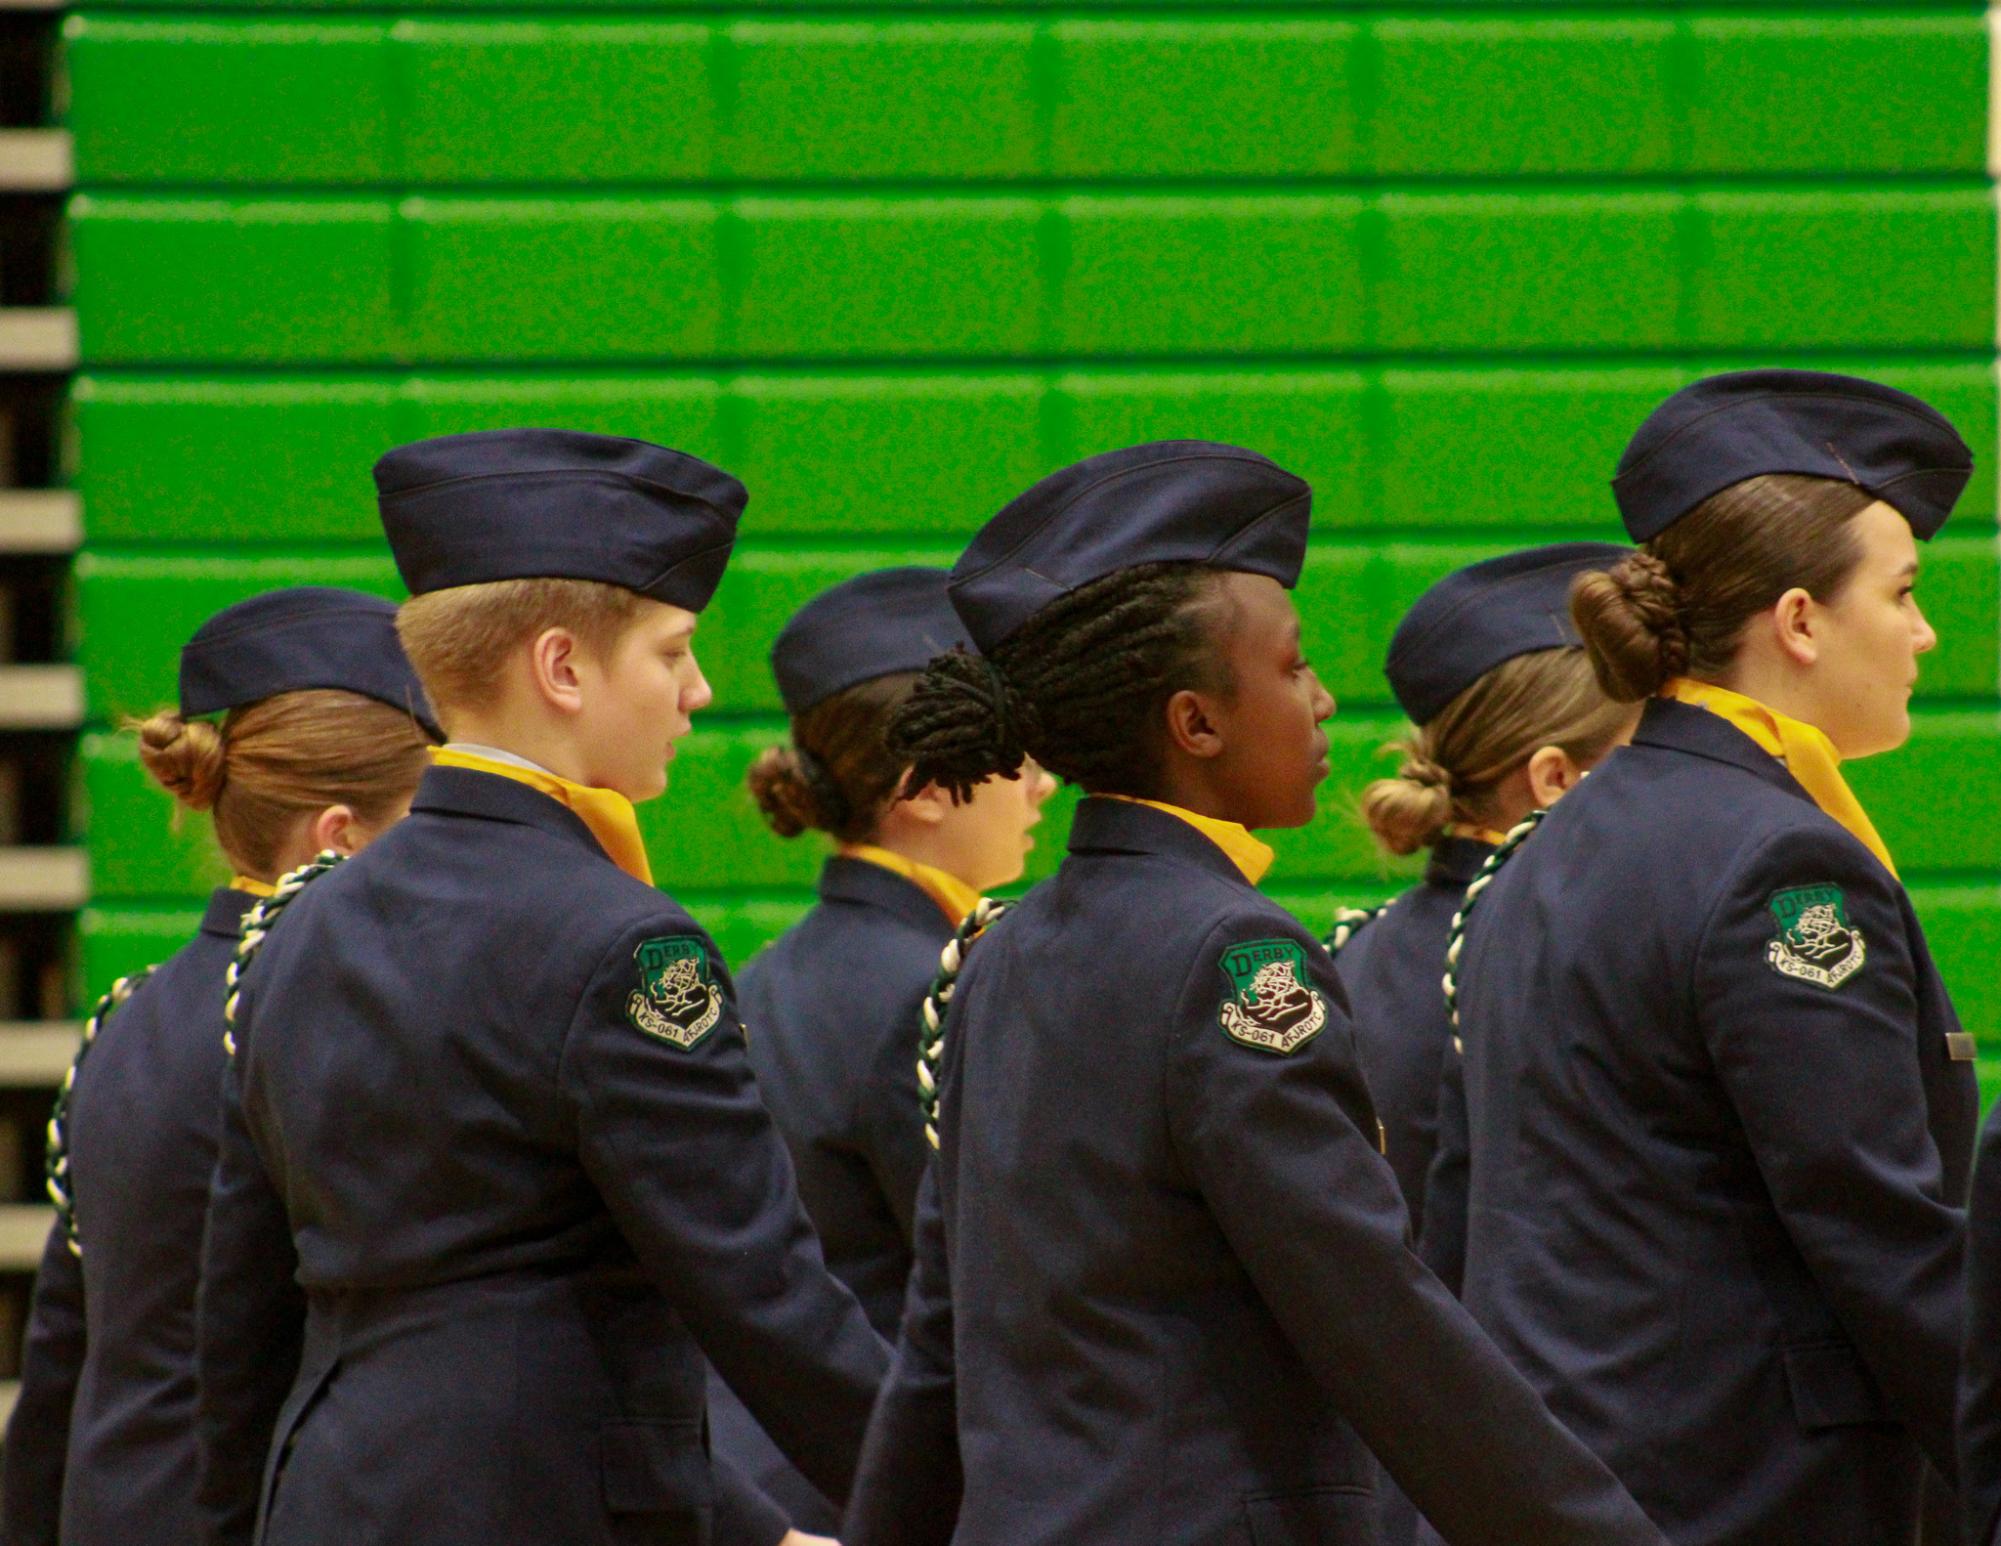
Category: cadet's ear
[552,666]
[1792,623]
[1190,726]
[1553,773]
[335,828]
[927,806]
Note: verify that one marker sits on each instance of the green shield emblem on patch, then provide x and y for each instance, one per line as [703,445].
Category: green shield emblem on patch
[1815,941]
[677,999]
[1270,1005]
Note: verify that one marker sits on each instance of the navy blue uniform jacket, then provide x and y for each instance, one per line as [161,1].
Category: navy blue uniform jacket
[1719,1146]
[1163,1294]
[1393,970]
[1980,1380]
[101,1447]
[520,1218]
[831,1012]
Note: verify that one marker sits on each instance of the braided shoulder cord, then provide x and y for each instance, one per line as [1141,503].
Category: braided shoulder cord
[256,924]
[55,1169]
[1350,921]
[931,1033]
[1455,939]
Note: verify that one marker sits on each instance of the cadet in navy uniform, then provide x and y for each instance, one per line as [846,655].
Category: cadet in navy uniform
[1720,1108]
[492,1083]
[1506,715]
[321,747]
[1163,1289]
[832,1005]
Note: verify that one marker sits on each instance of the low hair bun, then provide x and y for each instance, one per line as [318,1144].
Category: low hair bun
[186,757]
[784,796]
[1409,812]
[1631,619]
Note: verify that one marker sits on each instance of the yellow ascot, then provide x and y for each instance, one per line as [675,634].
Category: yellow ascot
[954,897]
[606,812]
[1805,749]
[1251,857]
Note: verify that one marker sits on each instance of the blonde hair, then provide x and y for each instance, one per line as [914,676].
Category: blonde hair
[838,775]
[458,639]
[1679,606]
[1453,764]
[272,761]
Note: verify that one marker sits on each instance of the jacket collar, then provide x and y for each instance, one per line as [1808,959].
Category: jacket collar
[223,917]
[1455,861]
[1682,727]
[870,885]
[1126,827]
[464,792]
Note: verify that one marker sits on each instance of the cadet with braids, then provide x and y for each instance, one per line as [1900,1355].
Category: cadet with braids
[1720,1108]
[1163,1291]
[832,1005]
[321,745]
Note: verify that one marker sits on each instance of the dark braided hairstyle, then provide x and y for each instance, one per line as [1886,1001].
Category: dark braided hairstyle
[1079,687]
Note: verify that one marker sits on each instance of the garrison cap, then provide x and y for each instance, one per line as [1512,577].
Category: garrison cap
[1477,617]
[292,640]
[521,504]
[1172,501]
[873,625]
[1727,428]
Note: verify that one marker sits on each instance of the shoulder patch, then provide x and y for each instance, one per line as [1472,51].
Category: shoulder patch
[677,1000]
[1814,942]
[1270,1005]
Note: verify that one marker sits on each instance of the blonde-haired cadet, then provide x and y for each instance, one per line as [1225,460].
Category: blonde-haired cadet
[491,1084]
[319,746]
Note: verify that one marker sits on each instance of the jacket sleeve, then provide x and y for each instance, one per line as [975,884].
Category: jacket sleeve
[250,1317]
[1268,1108]
[1805,989]
[671,1130]
[1441,1240]
[908,1490]
[37,1452]
[892,1119]
[744,1516]
[1980,1373]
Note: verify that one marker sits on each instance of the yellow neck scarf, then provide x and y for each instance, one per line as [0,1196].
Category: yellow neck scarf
[251,885]
[606,812]
[954,897]
[1477,833]
[1251,857]
[1805,749]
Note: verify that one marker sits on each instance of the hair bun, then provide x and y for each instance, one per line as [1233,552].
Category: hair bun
[186,757]
[963,724]
[1631,620]
[783,796]
[1409,812]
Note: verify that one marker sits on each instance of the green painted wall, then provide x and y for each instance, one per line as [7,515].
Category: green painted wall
[891,263]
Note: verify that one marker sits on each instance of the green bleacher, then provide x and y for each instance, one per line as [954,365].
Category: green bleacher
[890,263]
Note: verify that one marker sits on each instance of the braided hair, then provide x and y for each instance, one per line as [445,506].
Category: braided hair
[1079,687]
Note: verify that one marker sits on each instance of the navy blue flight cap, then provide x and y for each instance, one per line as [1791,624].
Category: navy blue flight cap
[1173,501]
[874,625]
[1477,617]
[524,504]
[291,640]
[1727,428]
